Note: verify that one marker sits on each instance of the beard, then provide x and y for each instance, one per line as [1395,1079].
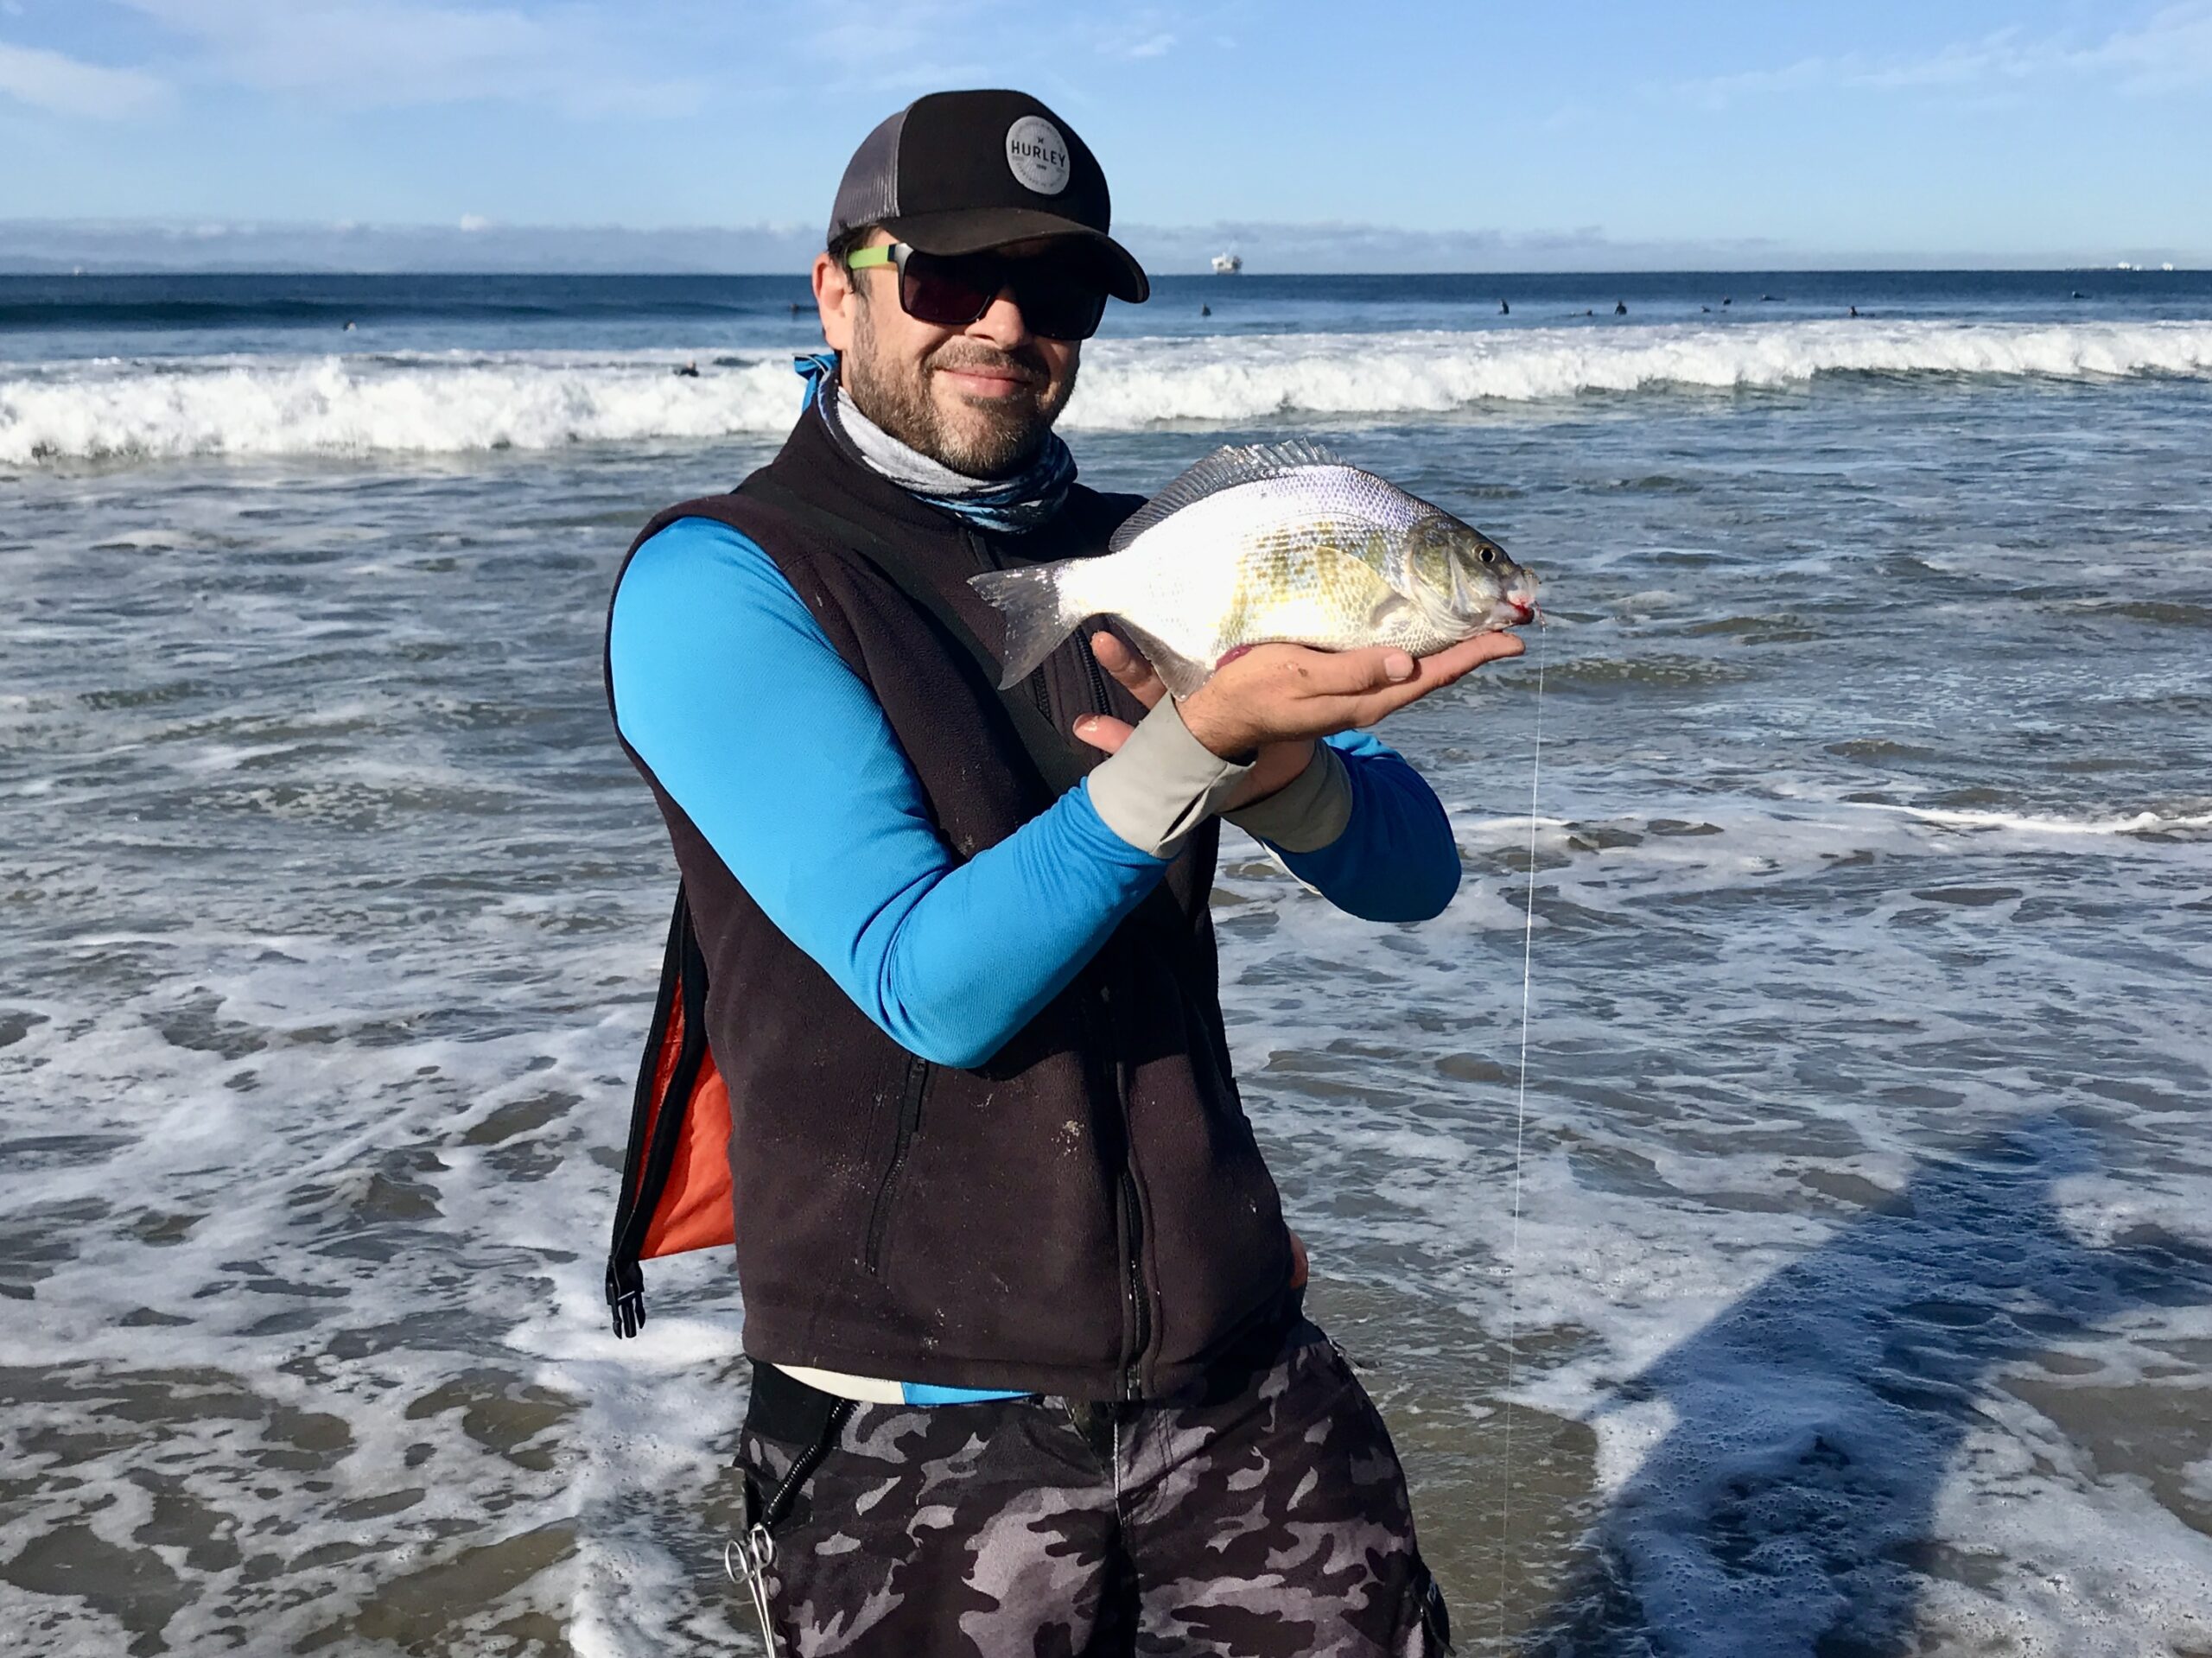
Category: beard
[992,438]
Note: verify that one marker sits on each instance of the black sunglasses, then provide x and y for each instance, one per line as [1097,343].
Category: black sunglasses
[1057,299]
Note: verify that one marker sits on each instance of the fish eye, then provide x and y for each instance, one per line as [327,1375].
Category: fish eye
[1489,556]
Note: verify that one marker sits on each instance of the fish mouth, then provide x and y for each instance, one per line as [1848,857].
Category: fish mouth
[1520,610]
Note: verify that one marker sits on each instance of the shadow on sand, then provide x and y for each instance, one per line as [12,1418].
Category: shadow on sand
[1786,1510]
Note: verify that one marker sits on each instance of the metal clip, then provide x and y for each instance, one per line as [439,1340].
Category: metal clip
[747,1562]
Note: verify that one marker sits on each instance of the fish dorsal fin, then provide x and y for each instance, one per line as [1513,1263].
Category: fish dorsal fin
[1224,468]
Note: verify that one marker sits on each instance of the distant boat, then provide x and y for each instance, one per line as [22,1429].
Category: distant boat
[1228,264]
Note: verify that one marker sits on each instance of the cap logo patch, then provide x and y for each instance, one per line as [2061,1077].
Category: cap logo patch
[1038,154]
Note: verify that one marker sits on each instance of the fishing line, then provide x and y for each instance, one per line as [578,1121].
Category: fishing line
[1520,1120]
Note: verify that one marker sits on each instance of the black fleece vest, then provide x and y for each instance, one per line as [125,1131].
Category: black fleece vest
[1086,1214]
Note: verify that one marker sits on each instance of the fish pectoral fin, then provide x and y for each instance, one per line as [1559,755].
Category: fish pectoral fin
[1385,610]
[1177,671]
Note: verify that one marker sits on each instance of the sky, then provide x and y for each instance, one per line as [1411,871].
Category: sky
[1383,135]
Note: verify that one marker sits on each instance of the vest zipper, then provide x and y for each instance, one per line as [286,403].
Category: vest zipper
[1101,698]
[808,1459]
[1138,1303]
[910,1120]
[1133,1227]
[680,1003]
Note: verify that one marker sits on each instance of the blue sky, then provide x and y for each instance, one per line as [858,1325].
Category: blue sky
[1381,135]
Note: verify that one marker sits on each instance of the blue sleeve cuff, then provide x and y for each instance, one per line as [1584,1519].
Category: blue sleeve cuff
[1397,859]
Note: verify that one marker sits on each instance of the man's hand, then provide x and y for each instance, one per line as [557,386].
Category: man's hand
[1279,764]
[1284,692]
[1279,698]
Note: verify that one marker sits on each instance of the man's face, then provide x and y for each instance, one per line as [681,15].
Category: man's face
[980,399]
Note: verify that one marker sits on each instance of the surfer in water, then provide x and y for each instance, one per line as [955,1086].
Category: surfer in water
[1030,1365]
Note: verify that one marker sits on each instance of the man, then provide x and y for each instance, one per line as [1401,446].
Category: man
[1030,1374]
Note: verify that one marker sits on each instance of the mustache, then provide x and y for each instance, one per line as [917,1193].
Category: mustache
[1026,364]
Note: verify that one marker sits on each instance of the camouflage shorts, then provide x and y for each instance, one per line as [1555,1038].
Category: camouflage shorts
[1257,1522]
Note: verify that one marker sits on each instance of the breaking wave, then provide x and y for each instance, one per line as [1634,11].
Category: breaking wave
[432,404]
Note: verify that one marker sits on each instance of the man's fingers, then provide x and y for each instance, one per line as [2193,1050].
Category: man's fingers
[1377,670]
[1103,731]
[1435,671]
[1134,674]
[1456,661]
[1276,691]
[1114,656]
[1302,670]
[1348,673]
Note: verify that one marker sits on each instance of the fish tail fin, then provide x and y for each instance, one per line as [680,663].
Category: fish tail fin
[1039,613]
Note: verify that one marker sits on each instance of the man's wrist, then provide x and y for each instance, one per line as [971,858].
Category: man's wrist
[1161,784]
[1200,718]
[1309,812]
[1279,766]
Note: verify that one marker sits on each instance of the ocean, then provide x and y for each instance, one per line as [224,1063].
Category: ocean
[1843,1289]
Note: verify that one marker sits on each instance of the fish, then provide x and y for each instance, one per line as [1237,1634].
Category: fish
[1283,542]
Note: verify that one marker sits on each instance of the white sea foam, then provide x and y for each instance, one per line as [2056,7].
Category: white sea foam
[1144,381]
[1865,1166]
[430,404]
[2142,822]
[337,405]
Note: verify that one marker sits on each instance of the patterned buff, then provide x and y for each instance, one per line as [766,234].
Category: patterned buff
[1010,504]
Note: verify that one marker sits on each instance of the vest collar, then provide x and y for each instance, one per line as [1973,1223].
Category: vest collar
[816,465]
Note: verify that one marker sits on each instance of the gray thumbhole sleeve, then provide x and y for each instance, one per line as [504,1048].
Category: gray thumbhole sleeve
[1161,784]
[1307,813]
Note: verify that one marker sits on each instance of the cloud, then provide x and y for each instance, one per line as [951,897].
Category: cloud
[929,44]
[48,81]
[898,49]
[366,53]
[2170,52]
[1145,34]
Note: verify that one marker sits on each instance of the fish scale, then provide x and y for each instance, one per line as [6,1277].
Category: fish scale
[1283,542]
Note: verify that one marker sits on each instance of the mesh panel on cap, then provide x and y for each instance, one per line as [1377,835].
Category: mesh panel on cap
[868,193]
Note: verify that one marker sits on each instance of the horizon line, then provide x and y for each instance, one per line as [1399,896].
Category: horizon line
[53,268]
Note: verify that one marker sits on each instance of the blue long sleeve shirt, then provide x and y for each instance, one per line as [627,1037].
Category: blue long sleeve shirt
[781,756]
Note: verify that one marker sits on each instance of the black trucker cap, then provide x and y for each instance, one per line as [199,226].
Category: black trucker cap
[960,172]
